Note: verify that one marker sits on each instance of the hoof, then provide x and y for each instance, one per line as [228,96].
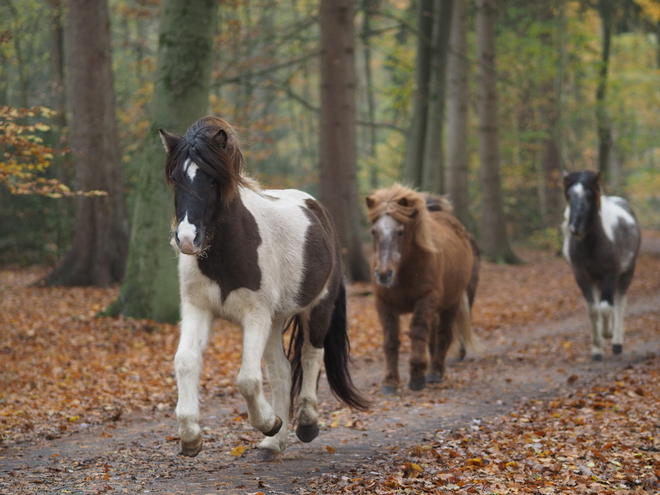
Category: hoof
[417,384]
[192,448]
[434,377]
[597,357]
[268,455]
[273,431]
[617,348]
[388,390]
[307,433]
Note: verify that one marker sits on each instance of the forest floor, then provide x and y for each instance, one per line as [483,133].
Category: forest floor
[86,403]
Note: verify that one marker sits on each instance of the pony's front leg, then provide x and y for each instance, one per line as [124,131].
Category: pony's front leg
[256,332]
[195,327]
[441,339]
[420,326]
[596,318]
[389,320]
[279,376]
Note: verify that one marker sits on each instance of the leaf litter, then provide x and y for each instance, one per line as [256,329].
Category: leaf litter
[66,372]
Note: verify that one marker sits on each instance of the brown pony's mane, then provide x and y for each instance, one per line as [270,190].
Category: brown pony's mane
[214,146]
[408,207]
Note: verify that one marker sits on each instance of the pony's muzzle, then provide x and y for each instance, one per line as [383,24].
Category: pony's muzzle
[188,244]
[384,278]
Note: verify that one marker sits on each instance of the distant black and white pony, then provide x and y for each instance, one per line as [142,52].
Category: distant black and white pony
[257,258]
[601,242]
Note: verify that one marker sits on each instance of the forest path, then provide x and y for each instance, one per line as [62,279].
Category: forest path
[138,454]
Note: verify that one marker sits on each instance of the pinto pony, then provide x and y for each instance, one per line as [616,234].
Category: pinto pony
[424,262]
[257,258]
[601,242]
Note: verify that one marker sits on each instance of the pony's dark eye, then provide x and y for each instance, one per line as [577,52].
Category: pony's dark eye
[399,232]
[374,231]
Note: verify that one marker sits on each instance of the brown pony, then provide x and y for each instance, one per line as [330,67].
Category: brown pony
[426,263]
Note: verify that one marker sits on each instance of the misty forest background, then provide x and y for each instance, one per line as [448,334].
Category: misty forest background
[577,87]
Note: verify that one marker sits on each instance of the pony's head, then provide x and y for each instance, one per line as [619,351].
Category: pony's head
[400,221]
[582,191]
[205,169]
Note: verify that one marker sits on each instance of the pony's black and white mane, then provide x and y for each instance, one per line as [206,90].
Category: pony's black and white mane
[601,242]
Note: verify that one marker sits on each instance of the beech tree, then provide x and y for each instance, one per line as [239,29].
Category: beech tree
[98,251]
[494,238]
[457,168]
[183,70]
[337,143]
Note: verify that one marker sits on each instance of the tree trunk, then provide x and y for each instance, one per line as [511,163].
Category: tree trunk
[606,12]
[337,147]
[98,252]
[368,6]
[181,93]
[433,160]
[494,239]
[457,170]
[412,165]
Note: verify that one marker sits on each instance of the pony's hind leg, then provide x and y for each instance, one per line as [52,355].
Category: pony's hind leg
[195,327]
[279,376]
[311,361]
[441,340]
[620,301]
[256,332]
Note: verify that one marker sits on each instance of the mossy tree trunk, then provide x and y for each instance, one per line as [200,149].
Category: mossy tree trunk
[181,92]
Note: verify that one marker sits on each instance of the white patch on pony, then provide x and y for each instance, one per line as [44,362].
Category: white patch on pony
[611,212]
[191,169]
[578,189]
[282,228]
[567,235]
[387,228]
[186,231]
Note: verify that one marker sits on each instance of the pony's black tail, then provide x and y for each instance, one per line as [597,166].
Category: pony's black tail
[335,357]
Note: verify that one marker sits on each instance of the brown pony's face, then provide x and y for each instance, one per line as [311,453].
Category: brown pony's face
[389,238]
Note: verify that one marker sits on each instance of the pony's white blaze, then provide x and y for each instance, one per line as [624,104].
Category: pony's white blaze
[387,229]
[611,213]
[186,232]
[578,189]
[191,169]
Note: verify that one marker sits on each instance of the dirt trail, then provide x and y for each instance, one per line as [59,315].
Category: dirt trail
[139,454]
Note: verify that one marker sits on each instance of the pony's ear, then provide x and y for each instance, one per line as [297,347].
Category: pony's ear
[169,140]
[221,138]
[370,201]
[598,177]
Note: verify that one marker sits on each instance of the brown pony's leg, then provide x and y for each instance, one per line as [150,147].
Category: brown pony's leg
[441,341]
[389,319]
[421,323]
